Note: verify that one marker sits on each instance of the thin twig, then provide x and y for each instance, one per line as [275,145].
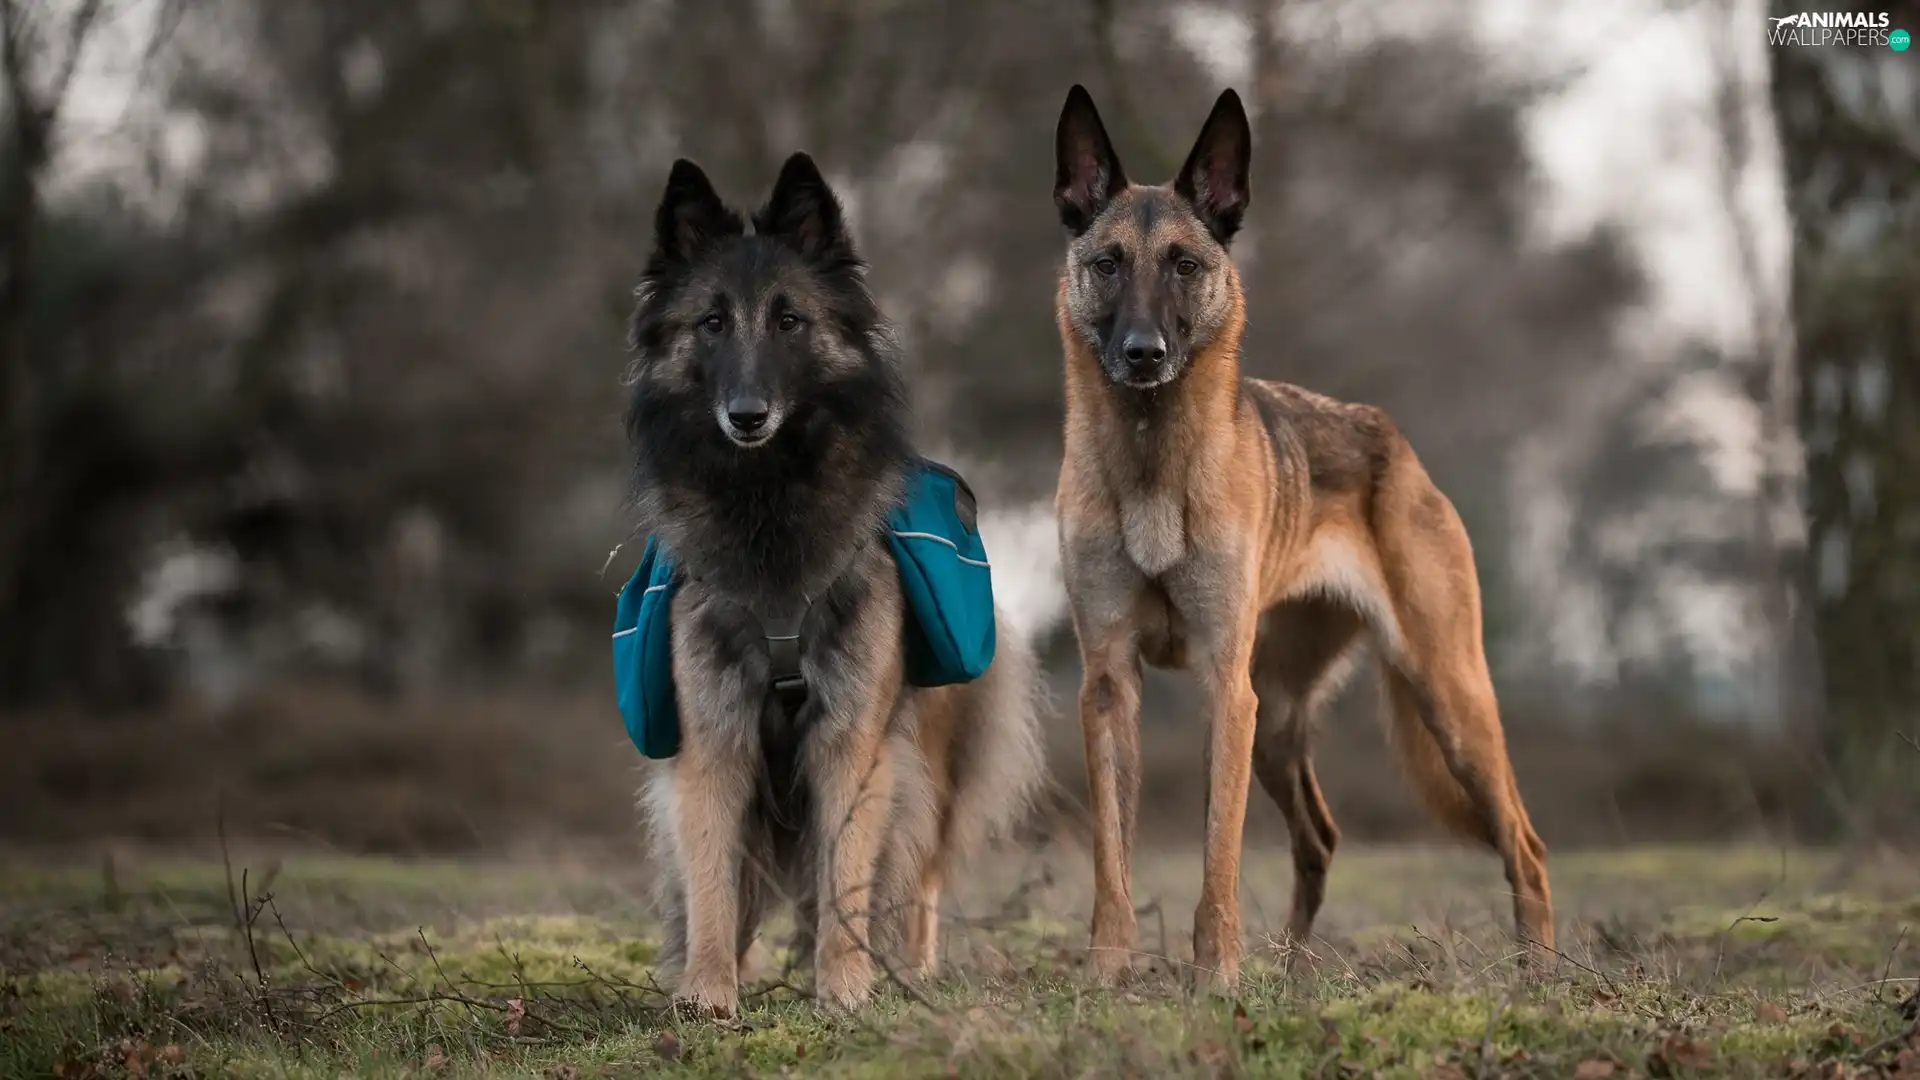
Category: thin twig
[1720,954]
[1888,968]
[1912,1030]
[1595,972]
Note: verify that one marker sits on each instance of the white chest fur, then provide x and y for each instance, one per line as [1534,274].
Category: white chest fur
[1154,526]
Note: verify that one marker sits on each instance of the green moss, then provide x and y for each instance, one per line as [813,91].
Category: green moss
[162,970]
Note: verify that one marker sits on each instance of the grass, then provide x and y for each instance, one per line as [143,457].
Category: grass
[1677,962]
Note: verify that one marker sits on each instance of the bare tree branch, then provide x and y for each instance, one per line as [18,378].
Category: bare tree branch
[83,22]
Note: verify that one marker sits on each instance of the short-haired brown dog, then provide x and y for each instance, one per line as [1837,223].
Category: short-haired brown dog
[1255,533]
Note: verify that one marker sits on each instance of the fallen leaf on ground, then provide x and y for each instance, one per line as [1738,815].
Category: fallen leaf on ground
[516,1012]
[667,1045]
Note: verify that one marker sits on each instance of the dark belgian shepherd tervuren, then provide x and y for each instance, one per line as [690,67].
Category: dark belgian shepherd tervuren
[1254,532]
[769,426]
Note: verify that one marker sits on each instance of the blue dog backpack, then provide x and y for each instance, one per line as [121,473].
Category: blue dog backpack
[945,579]
[643,655]
[934,535]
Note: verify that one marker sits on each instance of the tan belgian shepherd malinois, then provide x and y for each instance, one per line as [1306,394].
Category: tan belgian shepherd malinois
[1254,532]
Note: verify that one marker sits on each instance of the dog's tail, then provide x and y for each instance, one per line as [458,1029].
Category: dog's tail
[998,763]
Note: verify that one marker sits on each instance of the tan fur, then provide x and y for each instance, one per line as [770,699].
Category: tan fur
[1258,556]
[911,783]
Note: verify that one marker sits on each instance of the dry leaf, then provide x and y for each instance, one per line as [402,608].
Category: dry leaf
[133,1058]
[516,1012]
[667,1045]
[1678,1052]
[1210,1053]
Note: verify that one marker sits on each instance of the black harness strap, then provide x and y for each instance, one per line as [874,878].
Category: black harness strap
[781,628]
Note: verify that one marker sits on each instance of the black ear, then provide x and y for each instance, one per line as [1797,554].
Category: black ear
[804,212]
[690,217]
[1214,179]
[1088,173]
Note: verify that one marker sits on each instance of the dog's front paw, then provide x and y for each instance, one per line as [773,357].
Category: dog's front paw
[1221,979]
[1215,972]
[702,999]
[847,983]
[1109,965]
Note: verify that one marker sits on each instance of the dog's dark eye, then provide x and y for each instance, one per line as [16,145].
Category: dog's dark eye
[789,321]
[1106,267]
[713,323]
[1186,267]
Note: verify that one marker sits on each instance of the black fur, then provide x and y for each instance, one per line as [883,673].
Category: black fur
[1214,178]
[1088,173]
[766,525]
[775,521]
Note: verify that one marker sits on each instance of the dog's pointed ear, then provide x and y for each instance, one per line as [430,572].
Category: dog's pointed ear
[1087,174]
[690,216]
[804,212]
[1214,179]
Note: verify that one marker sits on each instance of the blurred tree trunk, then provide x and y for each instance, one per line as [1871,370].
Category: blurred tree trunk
[1777,555]
[33,108]
[1851,175]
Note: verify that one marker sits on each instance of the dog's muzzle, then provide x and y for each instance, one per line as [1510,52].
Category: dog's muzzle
[748,421]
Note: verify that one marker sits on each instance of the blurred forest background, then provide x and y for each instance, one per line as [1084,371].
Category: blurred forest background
[311,323]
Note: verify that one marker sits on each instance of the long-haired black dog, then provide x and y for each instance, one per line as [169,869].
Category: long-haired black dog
[769,424]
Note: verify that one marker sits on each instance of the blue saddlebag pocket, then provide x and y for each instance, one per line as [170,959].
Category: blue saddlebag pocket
[935,538]
[643,656]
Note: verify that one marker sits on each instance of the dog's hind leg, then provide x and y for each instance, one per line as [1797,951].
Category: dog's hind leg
[1445,719]
[981,744]
[923,932]
[806,931]
[1299,661]
[757,893]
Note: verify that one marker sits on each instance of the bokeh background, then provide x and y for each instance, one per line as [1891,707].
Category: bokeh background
[311,342]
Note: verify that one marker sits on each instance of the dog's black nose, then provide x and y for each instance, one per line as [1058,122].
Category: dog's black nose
[747,414]
[1144,348]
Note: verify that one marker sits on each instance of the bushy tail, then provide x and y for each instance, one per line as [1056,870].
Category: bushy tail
[998,762]
[993,766]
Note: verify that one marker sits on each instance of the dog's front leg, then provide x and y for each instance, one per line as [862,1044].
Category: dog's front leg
[852,776]
[711,787]
[1227,682]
